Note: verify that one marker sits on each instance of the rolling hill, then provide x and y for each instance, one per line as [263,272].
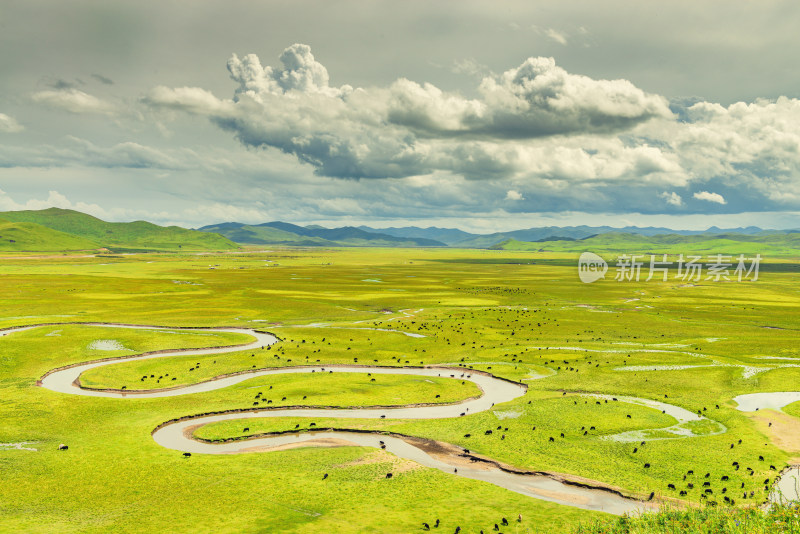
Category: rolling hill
[27,236]
[56,229]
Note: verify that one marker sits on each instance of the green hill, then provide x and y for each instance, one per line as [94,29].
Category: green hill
[784,244]
[27,236]
[73,228]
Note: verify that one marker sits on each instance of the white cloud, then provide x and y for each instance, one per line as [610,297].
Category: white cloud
[469,66]
[576,140]
[190,99]
[557,36]
[75,151]
[673,199]
[565,144]
[300,72]
[410,129]
[54,200]
[219,212]
[710,197]
[340,206]
[756,145]
[536,99]
[9,124]
[74,101]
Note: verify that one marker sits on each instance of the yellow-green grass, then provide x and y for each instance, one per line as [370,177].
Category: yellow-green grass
[22,236]
[298,346]
[485,307]
[335,389]
[792,409]
[673,244]
[65,344]
[708,520]
[517,443]
[114,477]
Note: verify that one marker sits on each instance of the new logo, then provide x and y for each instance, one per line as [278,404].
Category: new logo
[591,267]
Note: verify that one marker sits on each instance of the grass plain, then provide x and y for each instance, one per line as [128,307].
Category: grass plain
[517,314]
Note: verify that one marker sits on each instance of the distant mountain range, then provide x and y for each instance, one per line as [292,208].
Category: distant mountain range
[458,238]
[57,229]
[281,233]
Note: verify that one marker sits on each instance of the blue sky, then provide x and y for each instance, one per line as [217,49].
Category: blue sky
[484,116]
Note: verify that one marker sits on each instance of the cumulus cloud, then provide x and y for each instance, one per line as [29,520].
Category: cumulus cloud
[534,127]
[513,195]
[754,145]
[73,101]
[9,124]
[536,99]
[673,199]
[409,128]
[710,197]
[750,149]
[299,72]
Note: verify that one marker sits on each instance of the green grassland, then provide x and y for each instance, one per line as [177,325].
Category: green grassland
[317,389]
[56,229]
[622,242]
[793,409]
[23,236]
[702,521]
[517,314]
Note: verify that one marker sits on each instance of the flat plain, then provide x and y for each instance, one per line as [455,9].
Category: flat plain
[519,315]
